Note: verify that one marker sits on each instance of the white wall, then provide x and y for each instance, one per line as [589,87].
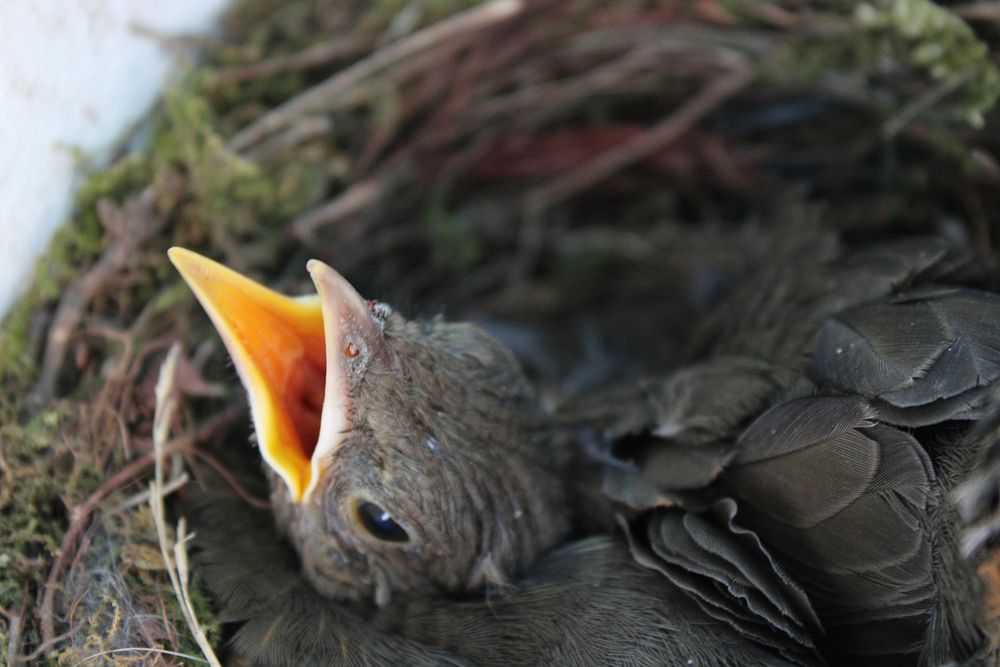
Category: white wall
[73,73]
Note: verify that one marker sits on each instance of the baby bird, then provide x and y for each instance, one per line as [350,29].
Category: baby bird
[784,495]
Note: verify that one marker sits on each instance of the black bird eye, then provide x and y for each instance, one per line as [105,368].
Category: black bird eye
[379,523]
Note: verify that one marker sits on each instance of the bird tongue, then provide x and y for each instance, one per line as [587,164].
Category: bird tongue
[277,345]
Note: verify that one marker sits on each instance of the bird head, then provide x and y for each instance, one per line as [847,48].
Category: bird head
[403,455]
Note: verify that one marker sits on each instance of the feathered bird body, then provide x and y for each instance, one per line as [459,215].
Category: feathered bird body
[853,382]
[784,495]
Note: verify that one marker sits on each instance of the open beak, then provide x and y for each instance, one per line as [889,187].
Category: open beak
[277,345]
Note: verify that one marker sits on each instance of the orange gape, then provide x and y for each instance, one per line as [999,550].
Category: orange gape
[277,345]
[294,370]
[303,401]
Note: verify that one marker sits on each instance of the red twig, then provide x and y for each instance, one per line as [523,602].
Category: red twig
[641,146]
[638,148]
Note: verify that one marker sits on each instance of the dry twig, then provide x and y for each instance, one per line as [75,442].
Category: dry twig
[177,565]
[343,48]
[658,136]
[128,228]
[144,649]
[351,201]
[662,134]
[328,92]
[143,496]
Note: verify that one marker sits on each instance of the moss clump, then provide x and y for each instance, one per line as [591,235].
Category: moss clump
[895,52]
[929,37]
[47,466]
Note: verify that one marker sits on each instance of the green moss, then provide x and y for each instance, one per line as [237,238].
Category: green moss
[228,190]
[933,39]
[45,465]
[916,34]
[299,185]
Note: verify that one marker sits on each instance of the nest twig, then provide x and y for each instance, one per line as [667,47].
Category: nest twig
[177,562]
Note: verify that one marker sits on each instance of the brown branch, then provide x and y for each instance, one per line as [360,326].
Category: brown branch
[304,129]
[329,91]
[37,653]
[345,48]
[352,200]
[550,97]
[128,228]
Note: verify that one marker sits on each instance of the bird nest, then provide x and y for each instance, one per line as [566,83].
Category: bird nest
[551,169]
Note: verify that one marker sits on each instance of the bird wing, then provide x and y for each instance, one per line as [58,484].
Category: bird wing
[730,575]
[844,503]
[923,357]
[849,508]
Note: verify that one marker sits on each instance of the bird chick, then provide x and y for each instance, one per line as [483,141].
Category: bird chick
[784,494]
[403,455]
